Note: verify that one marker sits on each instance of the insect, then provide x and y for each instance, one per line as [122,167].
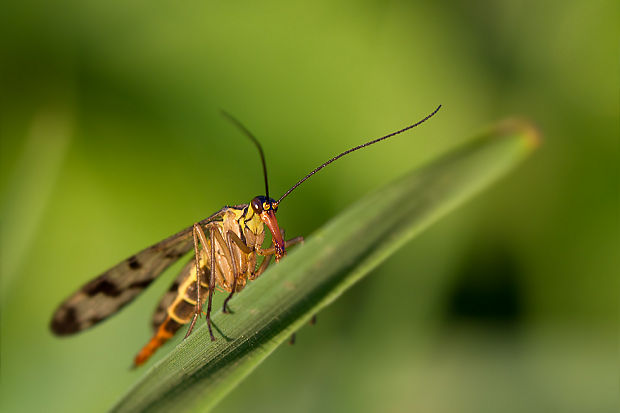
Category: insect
[226,249]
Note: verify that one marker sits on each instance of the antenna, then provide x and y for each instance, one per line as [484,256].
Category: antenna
[256,142]
[353,150]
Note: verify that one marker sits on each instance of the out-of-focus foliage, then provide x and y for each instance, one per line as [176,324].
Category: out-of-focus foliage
[111,139]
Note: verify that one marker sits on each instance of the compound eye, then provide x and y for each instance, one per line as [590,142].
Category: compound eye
[257,205]
[273,204]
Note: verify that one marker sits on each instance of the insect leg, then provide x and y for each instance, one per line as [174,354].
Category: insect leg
[271,250]
[198,234]
[268,254]
[263,267]
[197,259]
[232,237]
[291,341]
[224,248]
[234,267]
[239,242]
[212,230]
[296,240]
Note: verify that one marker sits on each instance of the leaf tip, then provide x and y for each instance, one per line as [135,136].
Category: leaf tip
[528,132]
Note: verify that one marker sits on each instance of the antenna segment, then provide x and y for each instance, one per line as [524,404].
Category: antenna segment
[253,139]
[353,150]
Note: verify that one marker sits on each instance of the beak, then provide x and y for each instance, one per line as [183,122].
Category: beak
[269,218]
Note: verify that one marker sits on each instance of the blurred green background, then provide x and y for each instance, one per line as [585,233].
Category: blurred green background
[111,140]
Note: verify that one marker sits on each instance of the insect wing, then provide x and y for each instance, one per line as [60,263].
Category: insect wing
[113,289]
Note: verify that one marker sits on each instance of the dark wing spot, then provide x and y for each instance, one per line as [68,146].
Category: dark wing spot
[133,262]
[67,324]
[140,284]
[101,285]
[174,286]
[173,255]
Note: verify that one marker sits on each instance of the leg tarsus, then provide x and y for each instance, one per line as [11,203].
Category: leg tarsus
[211,284]
[233,238]
[209,322]
[296,240]
[191,326]
[225,309]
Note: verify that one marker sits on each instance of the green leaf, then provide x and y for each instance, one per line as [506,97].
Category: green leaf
[197,374]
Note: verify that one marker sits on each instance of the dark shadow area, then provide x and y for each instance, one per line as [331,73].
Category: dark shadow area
[487,288]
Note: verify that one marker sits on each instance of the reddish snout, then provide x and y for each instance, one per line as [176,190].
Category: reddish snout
[269,218]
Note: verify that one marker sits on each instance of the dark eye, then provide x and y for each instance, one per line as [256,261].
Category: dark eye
[257,205]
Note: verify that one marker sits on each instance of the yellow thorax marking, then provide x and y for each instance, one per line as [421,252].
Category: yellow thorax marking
[248,219]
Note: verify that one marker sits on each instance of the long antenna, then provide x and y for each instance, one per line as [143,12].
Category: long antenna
[354,149]
[253,139]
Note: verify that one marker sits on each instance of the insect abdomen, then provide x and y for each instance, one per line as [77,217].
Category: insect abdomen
[164,333]
[179,313]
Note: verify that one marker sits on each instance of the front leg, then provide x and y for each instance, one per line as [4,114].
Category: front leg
[271,250]
[268,253]
[231,238]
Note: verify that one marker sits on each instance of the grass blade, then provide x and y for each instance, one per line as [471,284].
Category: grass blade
[199,373]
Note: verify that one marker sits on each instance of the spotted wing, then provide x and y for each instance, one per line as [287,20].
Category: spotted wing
[113,289]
